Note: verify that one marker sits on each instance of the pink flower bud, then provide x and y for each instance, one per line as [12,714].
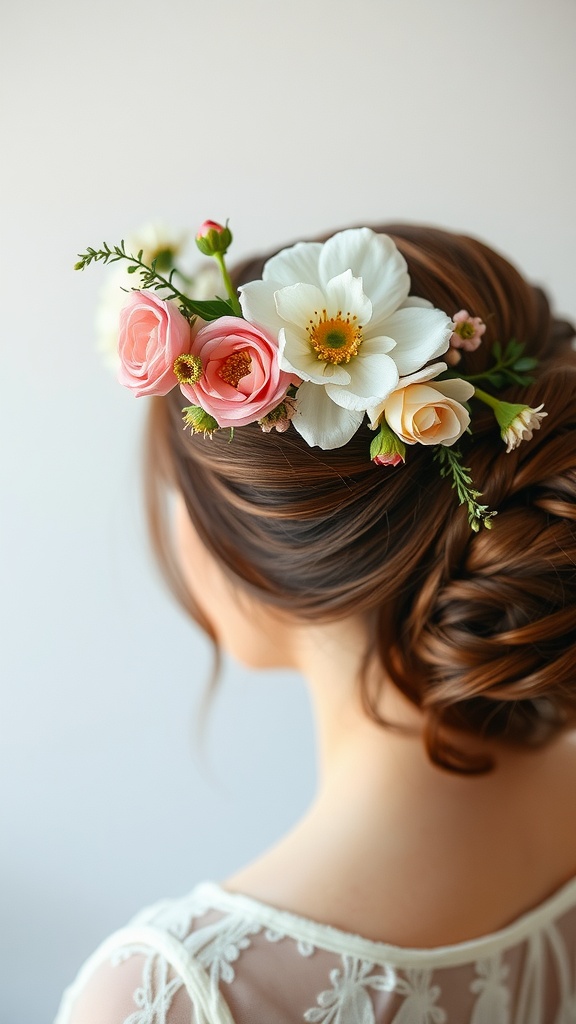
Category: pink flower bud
[209,225]
[387,449]
[213,238]
[389,459]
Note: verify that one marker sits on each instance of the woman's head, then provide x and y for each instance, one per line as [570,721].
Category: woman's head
[478,630]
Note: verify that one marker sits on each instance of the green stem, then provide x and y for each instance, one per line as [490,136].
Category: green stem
[232,295]
[486,398]
[501,365]
[158,277]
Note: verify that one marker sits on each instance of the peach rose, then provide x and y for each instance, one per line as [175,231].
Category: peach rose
[429,413]
[152,334]
[242,380]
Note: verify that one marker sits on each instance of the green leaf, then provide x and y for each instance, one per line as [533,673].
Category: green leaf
[208,309]
[526,363]
[450,461]
[513,349]
[518,378]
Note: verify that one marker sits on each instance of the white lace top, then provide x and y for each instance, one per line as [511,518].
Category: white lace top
[214,957]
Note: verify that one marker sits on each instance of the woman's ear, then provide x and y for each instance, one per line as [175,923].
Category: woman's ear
[253,632]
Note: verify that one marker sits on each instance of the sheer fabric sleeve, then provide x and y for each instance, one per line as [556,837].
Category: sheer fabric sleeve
[142,976]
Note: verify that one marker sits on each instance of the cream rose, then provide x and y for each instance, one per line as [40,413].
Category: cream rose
[429,413]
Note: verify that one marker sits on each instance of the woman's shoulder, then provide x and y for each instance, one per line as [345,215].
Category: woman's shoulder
[178,959]
[149,965]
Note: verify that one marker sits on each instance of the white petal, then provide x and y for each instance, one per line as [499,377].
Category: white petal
[420,335]
[427,373]
[295,264]
[374,413]
[375,259]
[415,300]
[373,378]
[459,390]
[379,345]
[297,356]
[345,294]
[298,303]
[259,307]
[320,421]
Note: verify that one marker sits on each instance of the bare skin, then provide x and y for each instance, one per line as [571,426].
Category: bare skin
[393,848]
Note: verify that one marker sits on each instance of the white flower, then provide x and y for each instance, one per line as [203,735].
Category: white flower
[205,283]
[157,242]
[345,327]
[525,422]
[111,300]
[164,245]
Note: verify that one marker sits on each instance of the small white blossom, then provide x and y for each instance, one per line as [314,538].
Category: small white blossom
[522,426]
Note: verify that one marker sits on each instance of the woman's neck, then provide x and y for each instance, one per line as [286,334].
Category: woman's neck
[389,831]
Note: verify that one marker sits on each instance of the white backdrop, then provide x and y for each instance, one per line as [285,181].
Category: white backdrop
[290,119]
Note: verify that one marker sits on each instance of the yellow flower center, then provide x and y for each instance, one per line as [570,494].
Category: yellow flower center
[465,329]
[235,366]
[163,258]
[335,339]
[188,368]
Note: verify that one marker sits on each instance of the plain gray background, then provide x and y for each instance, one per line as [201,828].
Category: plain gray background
[290,119]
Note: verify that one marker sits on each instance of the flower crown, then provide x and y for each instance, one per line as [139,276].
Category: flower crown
[329,335]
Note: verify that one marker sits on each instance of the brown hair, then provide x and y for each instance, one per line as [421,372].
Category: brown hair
[478,630]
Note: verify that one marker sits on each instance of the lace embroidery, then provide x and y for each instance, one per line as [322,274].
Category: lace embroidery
[419,1006]
[348,1002]
[154,997]
[174,916]
[493,1004]
[304,948]
[217,946]
[355,981]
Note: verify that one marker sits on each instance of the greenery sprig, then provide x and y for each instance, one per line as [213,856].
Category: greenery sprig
[450,460]
[510,367]
[207,309]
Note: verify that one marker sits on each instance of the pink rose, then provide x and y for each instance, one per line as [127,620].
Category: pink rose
[152,334]
[242,380]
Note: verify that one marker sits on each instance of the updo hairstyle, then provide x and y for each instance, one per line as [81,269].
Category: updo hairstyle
[478,630]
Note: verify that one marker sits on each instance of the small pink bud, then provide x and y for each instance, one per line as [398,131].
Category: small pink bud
[387,449]
[209,225]
[213,238]
[452,356]
[391,459]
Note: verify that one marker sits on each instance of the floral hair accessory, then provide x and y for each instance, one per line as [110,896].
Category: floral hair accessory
[468,331]
[467,335]
[329,337]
